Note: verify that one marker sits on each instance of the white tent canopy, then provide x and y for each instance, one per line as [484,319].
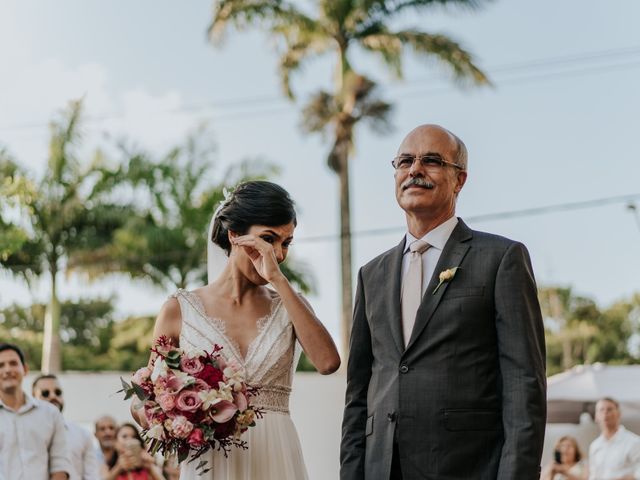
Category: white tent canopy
[571,399]
[571,393]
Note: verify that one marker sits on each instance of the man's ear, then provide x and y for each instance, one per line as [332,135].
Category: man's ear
[460,181]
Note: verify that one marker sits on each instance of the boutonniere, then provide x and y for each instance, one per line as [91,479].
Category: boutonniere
[445,277]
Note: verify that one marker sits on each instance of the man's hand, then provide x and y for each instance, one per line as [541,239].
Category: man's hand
[59,476]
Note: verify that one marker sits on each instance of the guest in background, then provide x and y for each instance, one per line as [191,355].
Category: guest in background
[32,435]
[105,433]
[567,463]
[615,454]
[84,463]
[131,461]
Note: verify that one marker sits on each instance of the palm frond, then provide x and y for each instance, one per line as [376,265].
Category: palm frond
[387,45]
[371,12]
[244,13]
[449,52]
[64,132]
[319,112]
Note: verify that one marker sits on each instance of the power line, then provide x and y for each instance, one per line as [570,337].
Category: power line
[563,61]
[527,212]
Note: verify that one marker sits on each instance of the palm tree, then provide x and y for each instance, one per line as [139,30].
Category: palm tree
[165,242]
[66,212]
[334,28]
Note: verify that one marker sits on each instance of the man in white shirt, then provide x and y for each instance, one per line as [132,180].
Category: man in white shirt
[84,463]
[615,454]
[32,436]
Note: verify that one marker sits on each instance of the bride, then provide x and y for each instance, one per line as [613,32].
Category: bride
[259,327]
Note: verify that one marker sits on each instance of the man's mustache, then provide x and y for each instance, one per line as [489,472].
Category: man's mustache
[417,181]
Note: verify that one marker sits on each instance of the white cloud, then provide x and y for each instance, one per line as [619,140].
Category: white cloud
[37,91]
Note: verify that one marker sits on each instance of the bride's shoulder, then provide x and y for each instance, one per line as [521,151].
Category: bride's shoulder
[169,319]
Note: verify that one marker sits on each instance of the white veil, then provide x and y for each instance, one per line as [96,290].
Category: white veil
[216,256]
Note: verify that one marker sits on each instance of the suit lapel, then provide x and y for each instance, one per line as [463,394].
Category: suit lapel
[391,274]
[452,255]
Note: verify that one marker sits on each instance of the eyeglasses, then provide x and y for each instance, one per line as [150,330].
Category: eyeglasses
[429,162]
[47,393]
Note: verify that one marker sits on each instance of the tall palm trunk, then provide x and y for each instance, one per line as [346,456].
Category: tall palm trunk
[345,254]
[343,141]
[51,358]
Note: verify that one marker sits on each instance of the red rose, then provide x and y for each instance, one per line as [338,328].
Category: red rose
[196,438]
[224,430]
[211,375]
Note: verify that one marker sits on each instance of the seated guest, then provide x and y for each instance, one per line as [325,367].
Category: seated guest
[131,461]
[567,463]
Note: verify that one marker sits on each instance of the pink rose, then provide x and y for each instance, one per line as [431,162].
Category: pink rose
[181,427]
[188,401]
[191,365]
[196,438]
[201,386]
[152,413]
[141,375]
[167,401]
[168,384]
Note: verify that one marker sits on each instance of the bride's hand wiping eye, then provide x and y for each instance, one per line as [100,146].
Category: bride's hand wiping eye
[265,256]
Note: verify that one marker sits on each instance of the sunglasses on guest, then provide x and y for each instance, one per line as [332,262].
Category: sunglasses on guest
[47,393]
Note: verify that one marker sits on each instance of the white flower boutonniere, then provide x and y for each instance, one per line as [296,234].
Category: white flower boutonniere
[445,277]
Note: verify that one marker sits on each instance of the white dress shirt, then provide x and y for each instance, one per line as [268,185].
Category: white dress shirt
[437,238]
[32,441]
[615,457]
[84,463]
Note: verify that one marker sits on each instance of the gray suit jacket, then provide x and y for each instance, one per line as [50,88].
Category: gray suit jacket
[466,399]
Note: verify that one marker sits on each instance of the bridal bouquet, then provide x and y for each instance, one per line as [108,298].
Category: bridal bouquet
[192,401]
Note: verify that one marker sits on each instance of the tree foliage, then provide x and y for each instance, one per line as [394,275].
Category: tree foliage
[578,331]
[64,213]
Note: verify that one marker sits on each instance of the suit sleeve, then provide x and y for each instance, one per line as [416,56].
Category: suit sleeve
[521,352]
[352,449]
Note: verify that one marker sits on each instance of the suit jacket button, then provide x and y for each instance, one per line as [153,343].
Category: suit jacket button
[391,416]
[404,368]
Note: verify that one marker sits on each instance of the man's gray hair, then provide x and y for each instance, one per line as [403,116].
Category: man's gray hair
[461,153]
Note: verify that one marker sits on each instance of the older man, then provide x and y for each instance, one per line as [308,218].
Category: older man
[615,454]
[446,373]
[105,432]
[32,435]
[84,463]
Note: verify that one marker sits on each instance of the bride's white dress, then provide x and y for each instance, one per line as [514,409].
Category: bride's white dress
[274,451]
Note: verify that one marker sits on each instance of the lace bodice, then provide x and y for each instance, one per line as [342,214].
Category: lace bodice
[271,357]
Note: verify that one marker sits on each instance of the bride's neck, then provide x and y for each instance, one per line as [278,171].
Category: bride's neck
[234,285]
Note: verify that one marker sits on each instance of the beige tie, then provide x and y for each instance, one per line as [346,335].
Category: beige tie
[412,288]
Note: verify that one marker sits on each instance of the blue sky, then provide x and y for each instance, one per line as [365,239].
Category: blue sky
[549,132]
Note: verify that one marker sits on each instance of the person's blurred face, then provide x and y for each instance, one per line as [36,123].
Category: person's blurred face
[49,390]
[125,435]
[607,415]
[429,190]
[12,372]
[106,432]
[567,452]
[279,237]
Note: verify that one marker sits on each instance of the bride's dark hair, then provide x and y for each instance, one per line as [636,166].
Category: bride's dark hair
[252,203]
